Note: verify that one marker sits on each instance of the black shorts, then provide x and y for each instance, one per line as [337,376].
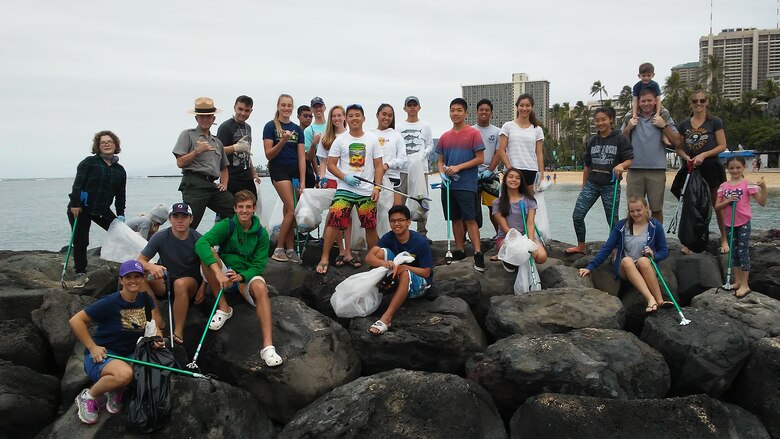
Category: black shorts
[713,172]
[311,180]
[283,172]
[198,281]
[235,185]
[529,176]
[462,205]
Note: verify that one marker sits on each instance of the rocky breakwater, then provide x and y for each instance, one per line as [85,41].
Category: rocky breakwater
[568,355]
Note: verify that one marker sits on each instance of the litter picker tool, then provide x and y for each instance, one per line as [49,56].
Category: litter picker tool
[424,201]
[615,201]
[170,311]
[194,364]
[727,286]
[160,366]
[67,254]
[673,223]
[683,320]
[295,184]
[534,277]
[448,256]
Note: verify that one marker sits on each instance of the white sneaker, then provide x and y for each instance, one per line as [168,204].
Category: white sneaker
[292,256]
[81,280]
[280,255]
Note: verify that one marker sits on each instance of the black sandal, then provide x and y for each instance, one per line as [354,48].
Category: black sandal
[355,262]
[339,262]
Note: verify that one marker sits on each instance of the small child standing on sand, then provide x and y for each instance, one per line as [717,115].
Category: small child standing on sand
[735,194]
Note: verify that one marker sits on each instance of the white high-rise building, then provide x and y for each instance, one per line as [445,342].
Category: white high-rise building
[503,96]
[749,56]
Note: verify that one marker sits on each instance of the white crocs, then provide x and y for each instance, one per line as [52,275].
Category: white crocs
[269,355]
[219,319]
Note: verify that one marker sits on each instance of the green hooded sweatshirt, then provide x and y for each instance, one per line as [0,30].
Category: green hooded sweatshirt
[237,251]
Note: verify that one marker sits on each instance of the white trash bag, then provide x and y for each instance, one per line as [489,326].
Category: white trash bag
[541,220]
[358,295]
[417,185]
[516,247]
[358,234]
[382,207]
[308,212]
[122,243]
[524,282]
[273,221]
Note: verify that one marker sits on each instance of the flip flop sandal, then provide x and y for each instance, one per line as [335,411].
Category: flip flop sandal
[269,355]
[666,304]
[744,295]
[322,266]
[219,319]
[573,251]
[652,308]
[177,340]
[355,262]
[340,262]
[379,326]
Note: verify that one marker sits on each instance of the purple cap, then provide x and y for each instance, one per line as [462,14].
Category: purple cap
[130,266]
[180,208]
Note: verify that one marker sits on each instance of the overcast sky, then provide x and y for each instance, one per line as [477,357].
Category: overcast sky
[70,69]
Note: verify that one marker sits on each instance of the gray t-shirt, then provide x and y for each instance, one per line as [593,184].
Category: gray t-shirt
[140,224]
[646,138]
[634,245]
[490,140]
[177,255]
[209,163]
[515,218]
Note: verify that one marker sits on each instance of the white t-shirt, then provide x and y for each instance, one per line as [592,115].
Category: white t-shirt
[393,151]
[322,153]
[356,156]
[490,135]
[417,137]
[521,145]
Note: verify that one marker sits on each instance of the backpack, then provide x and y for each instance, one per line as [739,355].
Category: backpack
[232,229]
[150,394]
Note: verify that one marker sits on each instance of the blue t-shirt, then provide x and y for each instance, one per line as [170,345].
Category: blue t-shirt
[652,85]
[178,256]
[459,147]
[119,323]
[288,156]
[417,246]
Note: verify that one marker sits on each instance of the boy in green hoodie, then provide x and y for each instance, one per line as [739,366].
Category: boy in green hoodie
[243,252]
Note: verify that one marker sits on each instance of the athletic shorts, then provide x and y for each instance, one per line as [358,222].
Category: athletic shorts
[340,214]
[283,172]
[241,288]
[647,182]
[529,176]
[417,284]
[93,369]
[462,205]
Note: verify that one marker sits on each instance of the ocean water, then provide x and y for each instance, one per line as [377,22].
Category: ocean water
[33,215]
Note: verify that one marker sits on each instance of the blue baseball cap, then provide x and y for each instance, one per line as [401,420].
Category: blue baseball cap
[180,208]
[131,266]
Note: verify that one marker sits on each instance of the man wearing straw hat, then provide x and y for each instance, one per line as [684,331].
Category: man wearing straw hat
[202,160]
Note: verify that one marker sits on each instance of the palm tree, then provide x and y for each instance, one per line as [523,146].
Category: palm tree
[712,73]
[598,88]
[676,96]
[749,108]
[624,100]
[767,91]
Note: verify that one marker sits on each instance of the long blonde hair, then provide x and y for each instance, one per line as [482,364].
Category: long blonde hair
[330,131]
[636,199]
[278,124]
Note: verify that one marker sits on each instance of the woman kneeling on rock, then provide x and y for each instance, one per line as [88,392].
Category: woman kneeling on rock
[637,238]
[121,319]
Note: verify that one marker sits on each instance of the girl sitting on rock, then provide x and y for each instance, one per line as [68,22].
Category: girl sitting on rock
[637,238]
[506,212]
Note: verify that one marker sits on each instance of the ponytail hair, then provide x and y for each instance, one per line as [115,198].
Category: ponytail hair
[330,131]
[532,116]
[277,124]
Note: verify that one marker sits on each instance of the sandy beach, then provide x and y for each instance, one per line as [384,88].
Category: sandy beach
[772,178]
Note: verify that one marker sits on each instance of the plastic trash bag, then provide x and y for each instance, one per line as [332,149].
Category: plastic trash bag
[383,205]
[694,231]
[273,222]
[541,219]
[417,185]
[150,403]
[525,282]
[516,248]
[259,205]
[358,295]
[308,212]
[122,243]
[358,234]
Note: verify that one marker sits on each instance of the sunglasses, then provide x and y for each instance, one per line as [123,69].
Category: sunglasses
[699,101]
[306,116]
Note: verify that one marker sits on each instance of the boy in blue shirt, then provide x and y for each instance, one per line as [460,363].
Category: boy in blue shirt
[413,278]
[646,74]
[460,153]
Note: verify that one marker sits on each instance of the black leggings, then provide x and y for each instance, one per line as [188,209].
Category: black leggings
[81,237]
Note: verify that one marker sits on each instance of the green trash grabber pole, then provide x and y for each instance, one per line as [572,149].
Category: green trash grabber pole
[67,254]
[194,364]
[614,200]
[727,285]
[159,366]
[683,320]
